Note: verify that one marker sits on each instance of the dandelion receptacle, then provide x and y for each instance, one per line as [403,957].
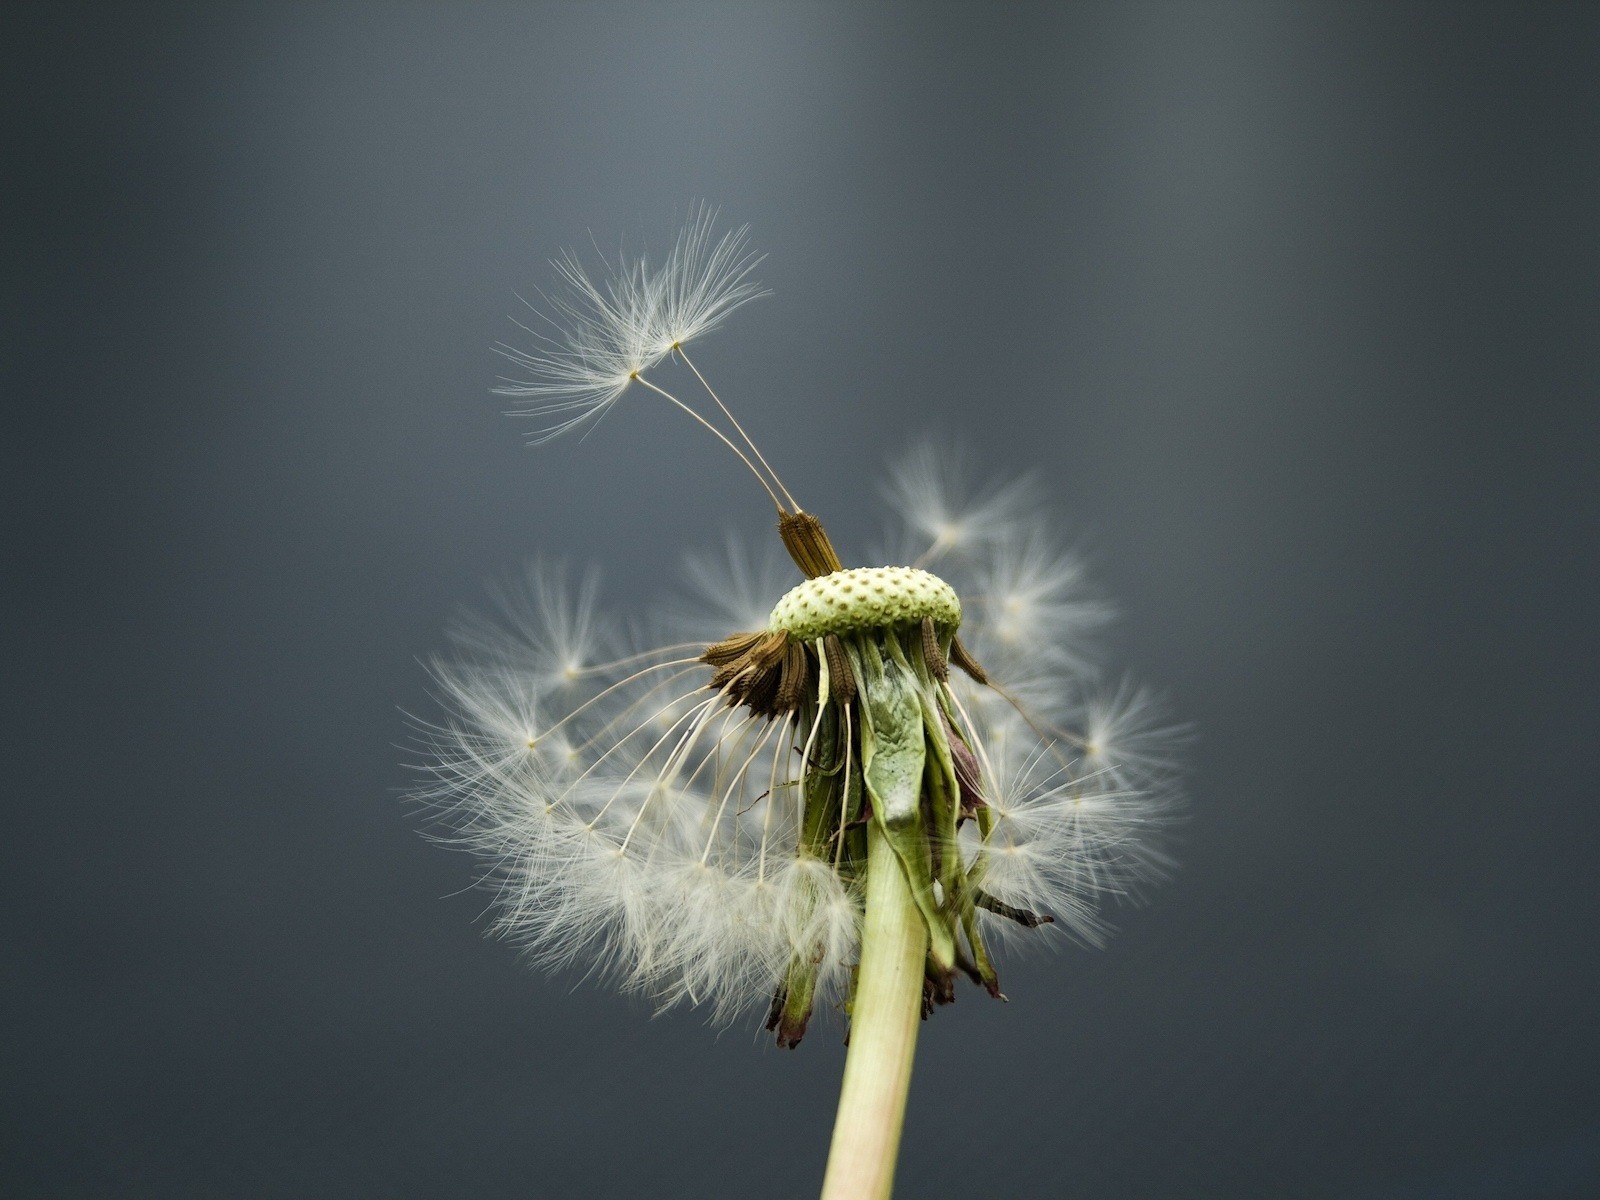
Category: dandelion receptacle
[817,787]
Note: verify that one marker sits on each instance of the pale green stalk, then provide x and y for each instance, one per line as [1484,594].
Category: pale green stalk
[883,1033]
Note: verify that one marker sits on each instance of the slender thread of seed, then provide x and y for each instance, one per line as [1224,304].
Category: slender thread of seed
[733,784]
[695,716]
[722,437]
[643,655]
[621,683]
[747,439]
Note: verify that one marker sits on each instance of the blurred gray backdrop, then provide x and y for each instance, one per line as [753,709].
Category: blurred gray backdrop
[1294,306]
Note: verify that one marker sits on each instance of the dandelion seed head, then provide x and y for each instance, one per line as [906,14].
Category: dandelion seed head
[649,828]
[865,598]
[681,803]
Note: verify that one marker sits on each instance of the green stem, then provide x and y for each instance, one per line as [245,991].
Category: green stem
[883,1033]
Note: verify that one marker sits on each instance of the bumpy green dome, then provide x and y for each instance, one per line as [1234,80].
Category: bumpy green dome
[865,598]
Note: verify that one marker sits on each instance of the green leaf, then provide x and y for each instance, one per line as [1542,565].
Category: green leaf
[894,756]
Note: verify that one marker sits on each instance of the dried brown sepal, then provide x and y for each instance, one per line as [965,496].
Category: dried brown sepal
[939,984]
[859,821]
[793,674]
[786,1019]
[981,962]
[724,677]
[807,543]
[1028,920]
[962,658]
[760,695]
[751,670]
[841,679]
[731,649]
[791,1033]
[769,652]
[969,780]
[970,969]
[931,653]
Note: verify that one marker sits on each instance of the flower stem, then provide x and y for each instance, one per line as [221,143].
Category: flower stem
[883,1033]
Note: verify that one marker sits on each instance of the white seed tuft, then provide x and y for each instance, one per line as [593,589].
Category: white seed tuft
[601,327]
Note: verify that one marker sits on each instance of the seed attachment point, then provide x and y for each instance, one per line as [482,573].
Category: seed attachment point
[866,598]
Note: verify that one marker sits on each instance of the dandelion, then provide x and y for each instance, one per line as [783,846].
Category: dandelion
[809,787]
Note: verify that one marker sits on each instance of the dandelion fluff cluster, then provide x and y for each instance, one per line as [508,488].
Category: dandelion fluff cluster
[602,327]
[637,822]
[680,802]
[631,817]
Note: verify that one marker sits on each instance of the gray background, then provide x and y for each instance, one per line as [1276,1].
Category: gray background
[1295,307]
